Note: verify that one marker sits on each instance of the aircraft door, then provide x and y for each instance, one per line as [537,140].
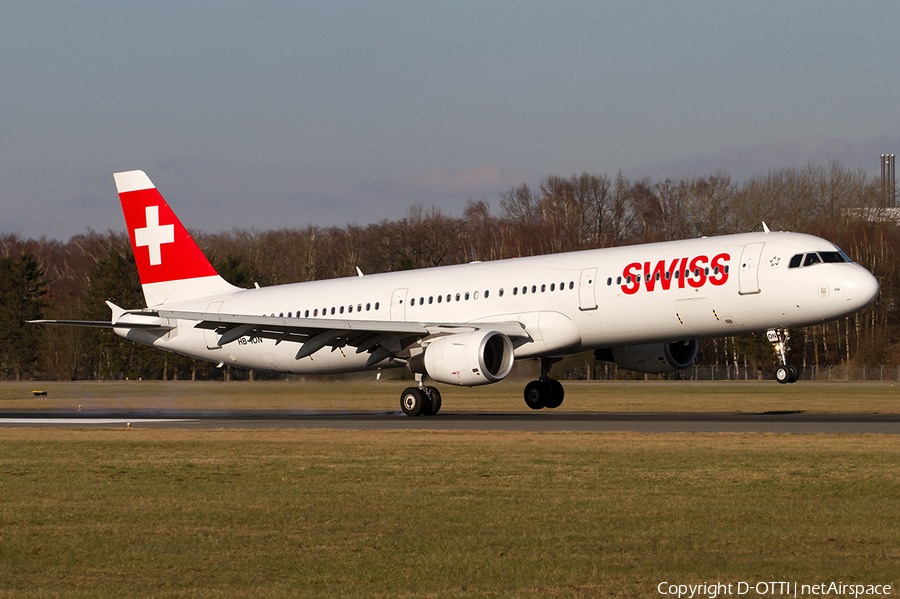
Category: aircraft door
[586,299]
[212,340]
[748,275]
[398,305]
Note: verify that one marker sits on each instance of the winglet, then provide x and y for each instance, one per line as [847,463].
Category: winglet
[117,312]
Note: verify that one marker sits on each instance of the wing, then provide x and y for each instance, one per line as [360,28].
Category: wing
[381,339]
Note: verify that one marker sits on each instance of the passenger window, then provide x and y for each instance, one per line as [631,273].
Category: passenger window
[440,298]
[501,292]
[332,310]
[350,309]
[515,291]
[811,258]
[368,306]
[572,284]
[430,299]
[534,289]
[457,297]
[524,290]
[618,280]
[475,296]
[486,294]
[359,308]
[412,302]
[316,312]
[466,296]
[306,314]
[795,261]
[421,300]
[376,305]
[553,285]
[448,297]
[341,310]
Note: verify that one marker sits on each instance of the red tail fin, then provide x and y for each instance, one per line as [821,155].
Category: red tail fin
[171,266]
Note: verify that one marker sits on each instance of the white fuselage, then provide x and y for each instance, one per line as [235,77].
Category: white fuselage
[711,287]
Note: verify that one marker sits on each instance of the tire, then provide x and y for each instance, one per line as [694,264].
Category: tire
[556,396]
[536,393]
[795,374]
[783,374]
[412,401]
[434,406]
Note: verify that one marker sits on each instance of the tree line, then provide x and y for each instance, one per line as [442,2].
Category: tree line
[47,278]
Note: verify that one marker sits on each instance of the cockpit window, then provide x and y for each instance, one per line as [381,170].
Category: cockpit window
[811,258]
[833,257]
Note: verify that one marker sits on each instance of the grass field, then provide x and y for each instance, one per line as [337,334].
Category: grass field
[632,396]
[186,513]
[319,513]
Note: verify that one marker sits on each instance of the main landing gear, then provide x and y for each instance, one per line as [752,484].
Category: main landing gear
[544,392]
[420,400]
[784,373]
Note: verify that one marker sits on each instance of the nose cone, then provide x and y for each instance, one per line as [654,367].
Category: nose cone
[860,288]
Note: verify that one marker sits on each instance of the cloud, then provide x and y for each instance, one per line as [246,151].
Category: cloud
[744,161]
[488,180]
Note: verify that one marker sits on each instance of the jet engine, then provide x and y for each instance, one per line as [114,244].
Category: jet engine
[652,358]
[466,359]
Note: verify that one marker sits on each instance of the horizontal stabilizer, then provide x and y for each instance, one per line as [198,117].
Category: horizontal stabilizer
[105,324]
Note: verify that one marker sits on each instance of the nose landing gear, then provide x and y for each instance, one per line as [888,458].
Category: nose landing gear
[785,373]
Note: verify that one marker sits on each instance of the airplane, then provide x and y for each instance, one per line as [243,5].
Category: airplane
[643,306]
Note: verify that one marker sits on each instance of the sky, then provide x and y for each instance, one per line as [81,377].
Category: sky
[287,114]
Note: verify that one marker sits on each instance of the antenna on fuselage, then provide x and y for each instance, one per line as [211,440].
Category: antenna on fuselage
[765,227]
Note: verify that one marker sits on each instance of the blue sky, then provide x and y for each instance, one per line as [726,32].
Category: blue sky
[282,114]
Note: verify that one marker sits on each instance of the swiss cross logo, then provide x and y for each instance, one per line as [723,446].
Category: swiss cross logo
[154,235]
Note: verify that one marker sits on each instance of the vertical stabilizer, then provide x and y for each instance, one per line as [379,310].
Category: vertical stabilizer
[171,266]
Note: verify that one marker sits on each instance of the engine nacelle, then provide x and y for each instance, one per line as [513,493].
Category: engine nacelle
[652,358]
[467,359]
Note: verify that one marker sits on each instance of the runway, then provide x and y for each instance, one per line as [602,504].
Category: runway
[544,421]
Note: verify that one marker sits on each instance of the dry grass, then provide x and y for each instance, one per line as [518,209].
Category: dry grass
[504,397]
[177,513]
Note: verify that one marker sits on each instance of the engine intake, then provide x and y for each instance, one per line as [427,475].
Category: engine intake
[652,358]
[467,359]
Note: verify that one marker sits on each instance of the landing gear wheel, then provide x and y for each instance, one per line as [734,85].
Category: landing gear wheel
[412,401]
[783,374]
[557,394]
[795,374]
[536,393]
[434,406]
